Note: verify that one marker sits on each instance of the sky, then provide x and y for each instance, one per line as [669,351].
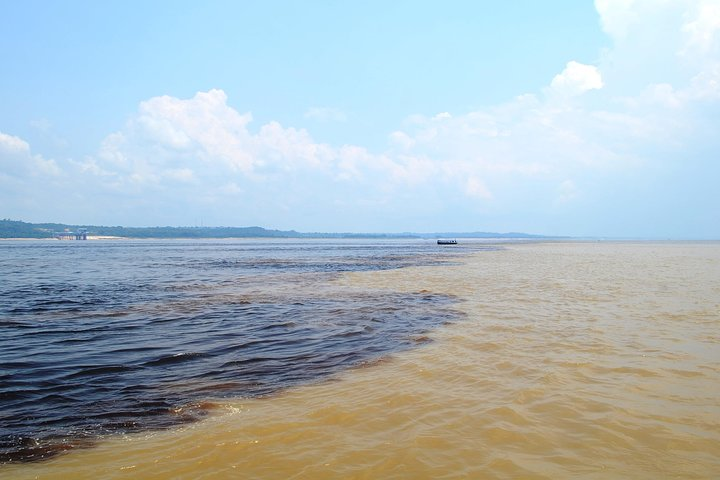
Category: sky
[563,117]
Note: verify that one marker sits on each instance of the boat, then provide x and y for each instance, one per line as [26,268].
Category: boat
[447,242]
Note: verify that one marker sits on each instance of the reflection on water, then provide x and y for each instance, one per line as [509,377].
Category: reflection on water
[572,361]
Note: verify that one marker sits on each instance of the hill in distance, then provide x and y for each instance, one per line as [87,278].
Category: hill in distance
[19,229]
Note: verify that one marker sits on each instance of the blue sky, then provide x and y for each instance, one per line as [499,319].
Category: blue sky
[560,117]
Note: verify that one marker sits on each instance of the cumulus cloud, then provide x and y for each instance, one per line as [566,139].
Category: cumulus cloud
[705,85]
[11,145]
[17,160]
[651,91]
[576,79]
[401,140]
[204,139]
[201,138]
[701,28]
[617,17]
[659,41]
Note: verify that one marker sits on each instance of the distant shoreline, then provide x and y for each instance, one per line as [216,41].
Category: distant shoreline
[16,229]
[89,237]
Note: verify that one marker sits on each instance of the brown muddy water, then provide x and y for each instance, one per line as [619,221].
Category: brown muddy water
[568,360]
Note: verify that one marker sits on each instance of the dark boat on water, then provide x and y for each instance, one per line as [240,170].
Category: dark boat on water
[447,242]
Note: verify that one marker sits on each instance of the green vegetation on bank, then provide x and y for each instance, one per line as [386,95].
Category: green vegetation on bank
[19,229]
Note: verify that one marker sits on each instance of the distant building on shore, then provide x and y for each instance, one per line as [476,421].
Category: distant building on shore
[81,234]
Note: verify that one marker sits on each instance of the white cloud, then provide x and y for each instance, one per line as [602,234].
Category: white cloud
[617,17]
[11,145]
[204,126]
[659,42]
[706,84]
[17,160]
[702,27]
[290,148]
[576,79]
[662,94]
[652,91]
[401,140]
[204,139]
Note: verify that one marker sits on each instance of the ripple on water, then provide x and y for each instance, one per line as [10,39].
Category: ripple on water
[131,350]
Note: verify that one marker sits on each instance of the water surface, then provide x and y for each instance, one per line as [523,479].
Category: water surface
[574,360]
[105,337]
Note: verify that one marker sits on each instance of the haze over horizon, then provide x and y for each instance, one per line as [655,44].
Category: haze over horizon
[554,118]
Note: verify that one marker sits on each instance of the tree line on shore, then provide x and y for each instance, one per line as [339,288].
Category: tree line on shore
[19,229]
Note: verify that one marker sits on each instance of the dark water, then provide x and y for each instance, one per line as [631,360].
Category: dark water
[118,336]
